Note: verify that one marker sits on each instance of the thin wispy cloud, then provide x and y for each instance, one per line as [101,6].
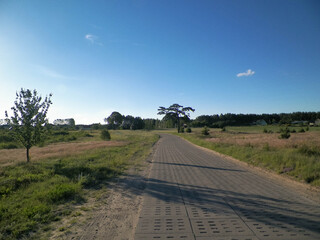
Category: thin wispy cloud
[248,73]
[51,73]
[93,39]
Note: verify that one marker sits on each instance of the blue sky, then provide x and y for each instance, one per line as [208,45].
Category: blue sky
[134,56]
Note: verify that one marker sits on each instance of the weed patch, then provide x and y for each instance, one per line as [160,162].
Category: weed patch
[309,150]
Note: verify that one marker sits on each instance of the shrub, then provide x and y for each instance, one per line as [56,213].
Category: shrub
[223,129]
[61,133]
[8,145]
[284,133]
[301,130]
[205,131]
[6,138]
[267,131]
[105,135]
[63,192]
[71,138]
[188,130]
[182,130]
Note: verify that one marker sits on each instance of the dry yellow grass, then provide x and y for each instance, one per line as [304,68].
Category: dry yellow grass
[260,139]
[12,156]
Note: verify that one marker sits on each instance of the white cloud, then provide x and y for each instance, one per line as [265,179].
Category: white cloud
[93,39]
[248,73]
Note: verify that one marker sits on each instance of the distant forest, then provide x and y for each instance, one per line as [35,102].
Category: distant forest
[212,121]
[231,119]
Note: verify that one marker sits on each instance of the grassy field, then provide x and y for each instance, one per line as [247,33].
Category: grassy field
[298,156]
[61,175]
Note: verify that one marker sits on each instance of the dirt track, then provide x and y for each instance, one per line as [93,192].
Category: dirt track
[194,194]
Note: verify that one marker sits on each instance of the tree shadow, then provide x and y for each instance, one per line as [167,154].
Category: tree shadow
[199,166]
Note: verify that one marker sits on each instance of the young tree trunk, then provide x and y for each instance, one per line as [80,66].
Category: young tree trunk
[28,157]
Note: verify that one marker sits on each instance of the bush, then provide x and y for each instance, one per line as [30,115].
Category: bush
[6,138]
[182,130]
[205,131]
[105,135]
[188,130]
[8,145]
[267,131]
[301,130]
[284,133]
[61,133]
[63,192]
[223,129]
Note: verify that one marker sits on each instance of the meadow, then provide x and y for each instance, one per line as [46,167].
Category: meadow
[298,156]
[67,168]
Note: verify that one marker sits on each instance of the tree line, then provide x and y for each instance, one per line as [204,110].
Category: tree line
[230,119]
[175,116]
[118,121]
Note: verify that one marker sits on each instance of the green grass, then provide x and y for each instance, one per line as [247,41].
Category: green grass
[37,193]
[68,136]
[300,162]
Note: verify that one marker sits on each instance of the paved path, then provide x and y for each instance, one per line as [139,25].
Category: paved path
[193,194]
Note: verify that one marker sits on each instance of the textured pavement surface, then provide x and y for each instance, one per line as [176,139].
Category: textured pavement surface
[193,194]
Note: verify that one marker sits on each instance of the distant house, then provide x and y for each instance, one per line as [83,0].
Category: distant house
[261,122]
[83,127]
[299,122]
[65,122]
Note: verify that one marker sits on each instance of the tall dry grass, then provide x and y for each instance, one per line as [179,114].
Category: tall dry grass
[261,139]
[13,156]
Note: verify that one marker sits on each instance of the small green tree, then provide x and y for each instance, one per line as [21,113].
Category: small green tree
[29,118]
[105,135]
[284,133]
[205,131]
